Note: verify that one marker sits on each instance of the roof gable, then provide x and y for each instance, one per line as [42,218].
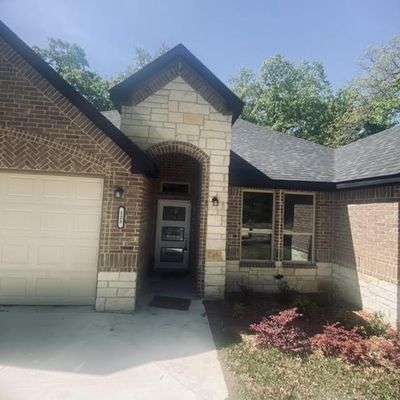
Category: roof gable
[142,163]
[178,61]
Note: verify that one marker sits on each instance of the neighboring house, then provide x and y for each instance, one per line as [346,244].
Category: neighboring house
[232,202]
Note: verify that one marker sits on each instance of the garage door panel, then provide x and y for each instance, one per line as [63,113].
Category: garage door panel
[86,223]
[18,219]
[50,257]
[53,221]
[49,238]
[14,286]
[19,186]
[78,287]
[86,190]
[49,287]
[83,257]
[15,254]
[57,189]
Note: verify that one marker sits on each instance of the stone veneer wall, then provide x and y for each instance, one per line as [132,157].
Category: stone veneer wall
[260,276]
[42,131]
[178,117]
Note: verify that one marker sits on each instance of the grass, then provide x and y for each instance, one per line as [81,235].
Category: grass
[254,373]
[272,374]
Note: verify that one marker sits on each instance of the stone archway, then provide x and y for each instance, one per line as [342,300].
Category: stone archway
[181,149]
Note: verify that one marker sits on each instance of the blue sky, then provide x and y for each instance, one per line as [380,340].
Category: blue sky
[225,35]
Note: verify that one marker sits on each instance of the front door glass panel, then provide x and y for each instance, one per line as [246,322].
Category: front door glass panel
[171,254]
[173,233]
[171,213]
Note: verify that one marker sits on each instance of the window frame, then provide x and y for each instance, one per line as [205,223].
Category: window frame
[272,233]
[286,232]
[175,183]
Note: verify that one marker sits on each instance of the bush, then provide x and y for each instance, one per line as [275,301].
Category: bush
[376,326]
[238,310]
[349,320]
[392,351]
[327,294]
[281,331]
[349,345]
[305,305]
[286,294]
[386,350]
[246,294]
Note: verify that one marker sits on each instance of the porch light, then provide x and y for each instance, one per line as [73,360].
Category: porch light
[118,192]
[215,201]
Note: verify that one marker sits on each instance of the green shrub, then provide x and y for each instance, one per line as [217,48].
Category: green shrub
[376,325]
[305,305]
[246,294]
[349,320]
[238,310]
[286,294]
[327,294]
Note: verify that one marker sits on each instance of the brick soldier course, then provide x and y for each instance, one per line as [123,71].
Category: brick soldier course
[175,121]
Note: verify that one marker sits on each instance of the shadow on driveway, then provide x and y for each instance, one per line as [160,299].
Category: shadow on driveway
[75,353]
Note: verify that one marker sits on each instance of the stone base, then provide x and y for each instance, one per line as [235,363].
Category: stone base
[214,280]
[116,292]
[261,279]
[367,292]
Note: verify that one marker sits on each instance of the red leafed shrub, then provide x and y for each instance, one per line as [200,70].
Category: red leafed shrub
[346,344]
[386,349]
[281,331]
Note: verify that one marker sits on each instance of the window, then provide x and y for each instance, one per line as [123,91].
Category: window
[175,187]
[298,227]
[257,226]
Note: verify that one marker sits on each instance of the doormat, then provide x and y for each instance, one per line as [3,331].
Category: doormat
[175,303]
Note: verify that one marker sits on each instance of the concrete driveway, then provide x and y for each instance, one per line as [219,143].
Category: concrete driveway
[74,353]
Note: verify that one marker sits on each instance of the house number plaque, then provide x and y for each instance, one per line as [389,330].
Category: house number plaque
[121,217]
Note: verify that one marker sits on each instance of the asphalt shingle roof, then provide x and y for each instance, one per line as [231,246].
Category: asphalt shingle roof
[374,156]
[283,157]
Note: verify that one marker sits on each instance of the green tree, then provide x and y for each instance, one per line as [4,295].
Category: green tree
[371,103]
[69,60]
[296,99]
[141,58]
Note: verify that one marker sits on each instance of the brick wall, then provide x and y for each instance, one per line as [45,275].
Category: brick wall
[40,130]
[366,249]
[366,231]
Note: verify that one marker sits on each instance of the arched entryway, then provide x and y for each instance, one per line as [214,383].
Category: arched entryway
[180,194]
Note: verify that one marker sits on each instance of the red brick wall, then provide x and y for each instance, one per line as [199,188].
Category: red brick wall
[42,131]
[366,231]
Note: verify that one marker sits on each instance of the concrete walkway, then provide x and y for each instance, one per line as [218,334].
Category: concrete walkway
[74,353]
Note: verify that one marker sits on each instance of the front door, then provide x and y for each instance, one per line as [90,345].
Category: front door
[172,240]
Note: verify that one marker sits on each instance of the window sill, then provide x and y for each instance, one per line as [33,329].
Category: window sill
[298,265]
[256,264]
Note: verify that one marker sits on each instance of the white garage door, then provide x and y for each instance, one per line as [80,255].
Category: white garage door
[49,239]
